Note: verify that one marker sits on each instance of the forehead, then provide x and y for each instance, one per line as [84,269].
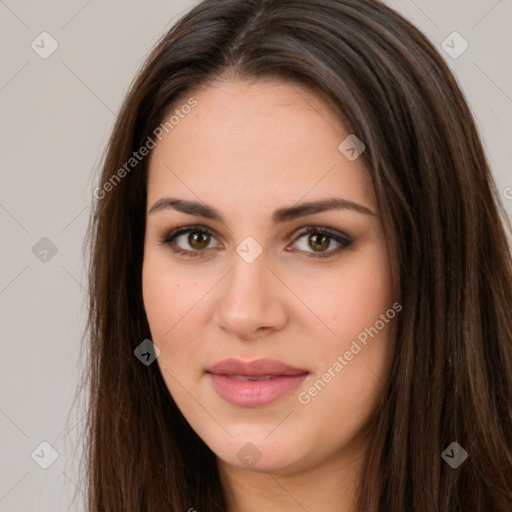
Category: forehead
[252,140]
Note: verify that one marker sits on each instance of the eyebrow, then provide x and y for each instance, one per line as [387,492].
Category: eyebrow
[280,215]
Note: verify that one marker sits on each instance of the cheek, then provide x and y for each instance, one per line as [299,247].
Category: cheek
[173,302]
[167,295]
[353,297]
[349,396]
[159,295]
[357,306]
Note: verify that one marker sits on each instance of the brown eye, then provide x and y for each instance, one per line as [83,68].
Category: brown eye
[319,242]
[316,242]
[198,239]
[191,241]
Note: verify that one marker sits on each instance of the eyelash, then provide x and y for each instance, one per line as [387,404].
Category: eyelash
[343,240]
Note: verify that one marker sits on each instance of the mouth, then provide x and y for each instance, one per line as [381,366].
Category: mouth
[255,383]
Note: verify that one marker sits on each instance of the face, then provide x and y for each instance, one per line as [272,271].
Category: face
[272,309]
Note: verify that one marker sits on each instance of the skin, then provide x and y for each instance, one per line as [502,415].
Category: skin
[247,149]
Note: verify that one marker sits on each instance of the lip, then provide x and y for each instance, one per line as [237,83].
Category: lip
[254,383]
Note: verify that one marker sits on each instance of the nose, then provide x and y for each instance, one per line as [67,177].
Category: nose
[251,303]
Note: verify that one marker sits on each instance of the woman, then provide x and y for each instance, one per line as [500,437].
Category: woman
[301,285]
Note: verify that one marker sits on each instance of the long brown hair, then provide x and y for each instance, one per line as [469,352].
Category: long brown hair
[451,377]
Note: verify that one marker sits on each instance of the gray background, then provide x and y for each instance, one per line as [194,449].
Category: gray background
[56,114]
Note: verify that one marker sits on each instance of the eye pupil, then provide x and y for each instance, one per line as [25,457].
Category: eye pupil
[198,239]
[319,245]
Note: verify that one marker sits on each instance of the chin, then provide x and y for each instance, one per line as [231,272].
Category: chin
[255,450]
